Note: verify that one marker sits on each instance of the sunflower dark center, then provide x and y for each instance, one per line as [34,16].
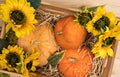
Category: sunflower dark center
[18,17]
[12,59]
[108,41]
[84,18]
[10,37]
[29,65]
[102,23]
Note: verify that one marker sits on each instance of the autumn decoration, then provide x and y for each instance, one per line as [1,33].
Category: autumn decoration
[70,45]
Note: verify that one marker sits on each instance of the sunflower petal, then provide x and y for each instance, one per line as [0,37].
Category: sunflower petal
[8,27]
[110,52]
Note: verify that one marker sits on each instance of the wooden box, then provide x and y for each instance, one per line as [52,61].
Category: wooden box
[108,62]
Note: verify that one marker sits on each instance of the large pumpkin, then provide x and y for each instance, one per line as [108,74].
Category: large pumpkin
[42,40]
[68,33]
[76,63]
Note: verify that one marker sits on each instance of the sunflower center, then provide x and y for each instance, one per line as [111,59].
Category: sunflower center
[102,24]
[29,65]
[12,59]
[18,17]
[11,37]
[84,18]
[108,41]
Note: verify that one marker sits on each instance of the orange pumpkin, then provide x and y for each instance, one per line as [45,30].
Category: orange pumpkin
[76,63]
[42,40]
[68,33]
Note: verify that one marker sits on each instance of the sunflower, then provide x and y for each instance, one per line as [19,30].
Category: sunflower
[103,51]
[10,57]
[19,16]
[83,17]
[104,44]
[30,63]
[101,22]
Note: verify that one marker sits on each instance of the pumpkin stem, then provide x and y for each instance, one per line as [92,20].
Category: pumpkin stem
[71,59]
[35,42]
[59,33]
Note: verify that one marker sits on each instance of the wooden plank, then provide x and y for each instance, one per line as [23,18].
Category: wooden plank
[19,75]
[1,1]
[2,28]
[107,71]
[116,66]
[111,5]
[11,73]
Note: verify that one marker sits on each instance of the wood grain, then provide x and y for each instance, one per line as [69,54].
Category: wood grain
[111,5]
[2,26]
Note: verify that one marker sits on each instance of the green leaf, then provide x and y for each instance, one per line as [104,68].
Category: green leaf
[95,8]
[34,3]
[4,75]
[19,64]
[55,59]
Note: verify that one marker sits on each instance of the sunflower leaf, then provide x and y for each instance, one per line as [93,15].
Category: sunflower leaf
[93,9]
[55,59]
[34,3]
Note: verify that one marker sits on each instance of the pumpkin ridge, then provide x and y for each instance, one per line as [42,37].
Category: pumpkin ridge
[66,70]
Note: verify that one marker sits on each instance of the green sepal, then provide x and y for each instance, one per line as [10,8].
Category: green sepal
[34,3]
[56,58]
[20,64]
[26,54]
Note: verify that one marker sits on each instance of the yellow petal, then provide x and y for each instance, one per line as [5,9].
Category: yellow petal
[112,18]
[101,10]
[33,68]
[110,52]
[5,51]
[8,27]
[36,62]
[101,53]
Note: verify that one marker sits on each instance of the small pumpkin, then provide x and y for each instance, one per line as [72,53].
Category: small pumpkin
[68,33]
[42,40]
[76,63]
